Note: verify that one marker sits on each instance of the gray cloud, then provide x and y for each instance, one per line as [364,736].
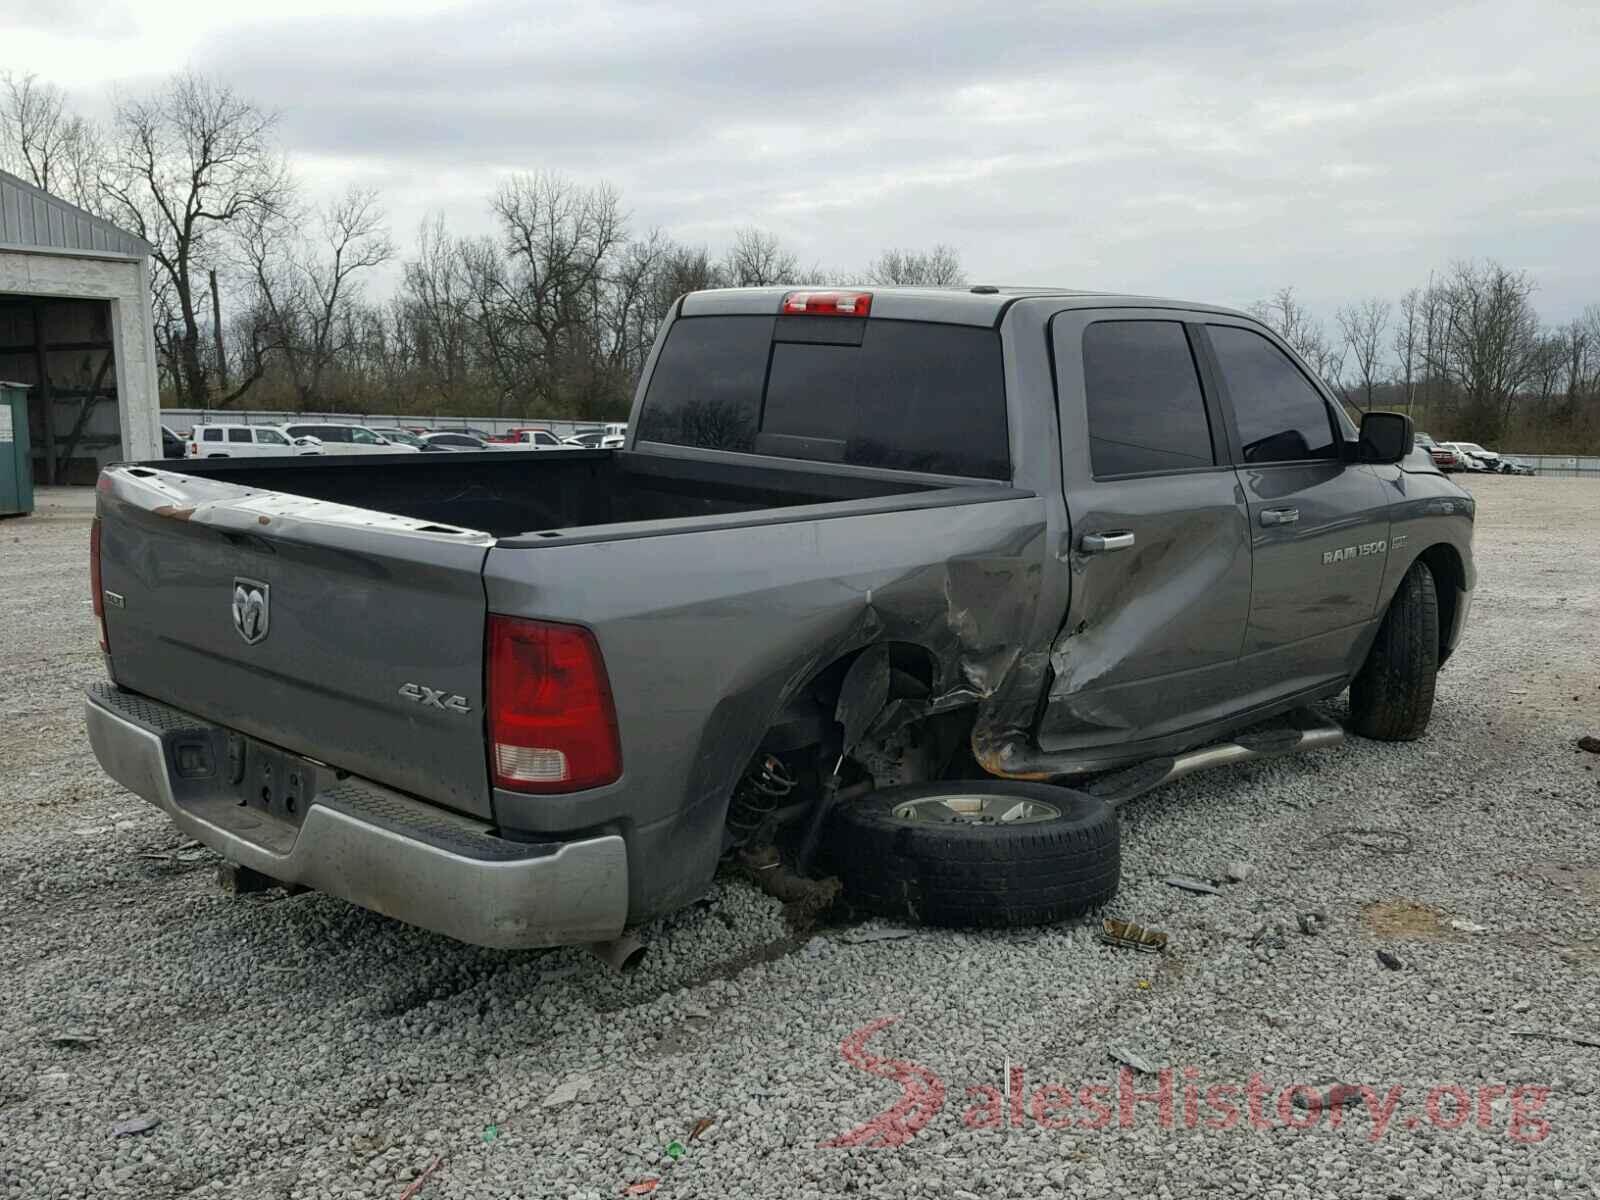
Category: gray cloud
[1215,150]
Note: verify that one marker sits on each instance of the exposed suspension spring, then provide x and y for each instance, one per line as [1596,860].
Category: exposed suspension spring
[756,798]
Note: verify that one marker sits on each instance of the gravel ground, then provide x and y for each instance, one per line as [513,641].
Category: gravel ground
[299,1047]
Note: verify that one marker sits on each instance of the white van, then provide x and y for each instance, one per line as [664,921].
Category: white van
[338,437]
[244,441]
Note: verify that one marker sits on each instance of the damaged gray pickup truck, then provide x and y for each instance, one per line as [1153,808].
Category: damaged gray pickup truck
[908,586]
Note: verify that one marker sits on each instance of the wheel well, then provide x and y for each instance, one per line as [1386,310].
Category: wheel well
[1449,581]
[806,719]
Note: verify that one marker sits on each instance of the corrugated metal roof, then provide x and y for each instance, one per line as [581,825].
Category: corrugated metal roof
[30,217]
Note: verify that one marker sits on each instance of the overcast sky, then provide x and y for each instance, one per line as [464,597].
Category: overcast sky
[1211,150]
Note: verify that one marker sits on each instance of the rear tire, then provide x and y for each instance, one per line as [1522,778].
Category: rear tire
[963,873]
[1391,697]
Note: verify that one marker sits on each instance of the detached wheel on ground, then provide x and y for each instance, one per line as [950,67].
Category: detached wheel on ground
[1391,697]
[977,853]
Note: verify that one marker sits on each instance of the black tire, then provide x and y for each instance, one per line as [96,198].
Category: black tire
[1391,697]
[960,873]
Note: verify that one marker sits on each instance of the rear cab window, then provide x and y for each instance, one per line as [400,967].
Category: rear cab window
[1146,412]
[905,395]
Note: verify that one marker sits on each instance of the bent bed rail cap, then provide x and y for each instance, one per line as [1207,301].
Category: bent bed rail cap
[956,306]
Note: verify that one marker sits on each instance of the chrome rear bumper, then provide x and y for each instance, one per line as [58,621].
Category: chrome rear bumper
[370,845]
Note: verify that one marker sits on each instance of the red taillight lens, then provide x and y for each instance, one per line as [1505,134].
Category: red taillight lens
[827,304]
[552,726]
[97,595]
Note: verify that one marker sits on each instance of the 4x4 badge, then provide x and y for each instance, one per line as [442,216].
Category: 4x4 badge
[251,612]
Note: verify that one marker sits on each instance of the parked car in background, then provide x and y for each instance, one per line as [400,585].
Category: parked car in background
[340,438]
[172,446]
[1446,458]
[595,439]
[1515,466]
[1474,457]
[1477,452]
[402,437]
[246,441]
[528,439]
[452,440]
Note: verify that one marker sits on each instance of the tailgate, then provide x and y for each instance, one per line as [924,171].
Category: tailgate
[349,636]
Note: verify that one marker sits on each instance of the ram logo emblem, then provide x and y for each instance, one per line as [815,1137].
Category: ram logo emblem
[251,611]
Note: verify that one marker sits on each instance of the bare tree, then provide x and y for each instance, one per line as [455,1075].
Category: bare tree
[1362,327]
[756,259]
[309,293]
[1488,344]
[939,267]
[1293,322]
[435,321]
[1407,345]
[189,163]
[559,238]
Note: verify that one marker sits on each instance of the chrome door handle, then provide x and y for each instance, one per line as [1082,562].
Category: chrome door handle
[1103,543]
[1279,516]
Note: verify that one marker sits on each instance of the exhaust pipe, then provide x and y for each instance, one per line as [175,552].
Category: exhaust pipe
[621,954]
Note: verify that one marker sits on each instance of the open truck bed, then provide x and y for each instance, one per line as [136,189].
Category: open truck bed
[507,496]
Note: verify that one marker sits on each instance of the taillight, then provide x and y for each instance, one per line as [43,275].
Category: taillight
[552,726]
[97,596]
[827,304]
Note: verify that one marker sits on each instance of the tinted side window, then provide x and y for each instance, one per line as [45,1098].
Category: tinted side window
[271,437]
[1146,412]
[211,435]
[1281,417]
[706,389]
[363,437]
[238,435]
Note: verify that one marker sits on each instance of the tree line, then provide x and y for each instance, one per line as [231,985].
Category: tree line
[264,296]
[1466,355]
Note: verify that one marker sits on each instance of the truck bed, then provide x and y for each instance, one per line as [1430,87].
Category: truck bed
[509,494]
[370,580]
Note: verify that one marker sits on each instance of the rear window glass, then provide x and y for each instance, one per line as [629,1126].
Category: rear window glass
[907,395]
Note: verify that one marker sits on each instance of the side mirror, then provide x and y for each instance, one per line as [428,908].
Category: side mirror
[1386,437]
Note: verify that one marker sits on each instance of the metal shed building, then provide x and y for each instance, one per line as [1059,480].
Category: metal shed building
[75,326]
